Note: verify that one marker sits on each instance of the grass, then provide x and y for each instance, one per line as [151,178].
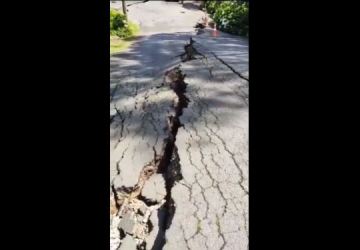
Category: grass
[118,44]
[198,227]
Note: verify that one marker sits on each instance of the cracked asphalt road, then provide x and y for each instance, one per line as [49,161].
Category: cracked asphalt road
[210,200]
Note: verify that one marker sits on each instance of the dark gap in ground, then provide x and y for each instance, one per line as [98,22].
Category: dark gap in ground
[148,202]
[169,165]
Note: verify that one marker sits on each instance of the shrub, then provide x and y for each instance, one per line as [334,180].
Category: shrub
[211,6]
[230,16]
[117,20]
[120,27]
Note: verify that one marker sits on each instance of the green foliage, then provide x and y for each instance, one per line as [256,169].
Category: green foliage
[211,6]
[230,16]
[120,27]
[117,20]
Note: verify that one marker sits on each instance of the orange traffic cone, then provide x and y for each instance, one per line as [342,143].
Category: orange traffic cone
[215,32]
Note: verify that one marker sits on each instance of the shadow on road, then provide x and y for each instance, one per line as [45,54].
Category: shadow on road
[191,6]
[142,67]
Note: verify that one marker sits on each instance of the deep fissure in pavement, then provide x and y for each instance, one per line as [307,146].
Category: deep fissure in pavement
[167,164]
[189,52]
[134,208]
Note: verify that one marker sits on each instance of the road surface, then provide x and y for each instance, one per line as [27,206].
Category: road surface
[178,146]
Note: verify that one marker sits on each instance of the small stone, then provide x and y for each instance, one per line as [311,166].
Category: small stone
[154,188]
[114,233]
[128,243]
[140,231]
[143,209]
[127,223]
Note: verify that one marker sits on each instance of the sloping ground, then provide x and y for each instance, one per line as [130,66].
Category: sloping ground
[179,143]
[179,158]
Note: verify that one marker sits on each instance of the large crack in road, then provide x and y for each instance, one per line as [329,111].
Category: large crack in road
[140,221]
[178,184]
[169,165]
[127,203]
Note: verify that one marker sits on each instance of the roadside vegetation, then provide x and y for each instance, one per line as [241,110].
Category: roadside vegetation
[122,31]
[230,16]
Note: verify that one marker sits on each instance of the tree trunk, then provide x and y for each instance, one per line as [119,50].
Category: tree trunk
[124,8]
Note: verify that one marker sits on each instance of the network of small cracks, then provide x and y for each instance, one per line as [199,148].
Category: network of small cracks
[222,61]
[210,133]
[161,163]
[167,163]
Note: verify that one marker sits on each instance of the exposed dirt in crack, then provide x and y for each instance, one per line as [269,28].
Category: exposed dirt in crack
[169,165]
[190,52]
[128,203]
[135,209]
